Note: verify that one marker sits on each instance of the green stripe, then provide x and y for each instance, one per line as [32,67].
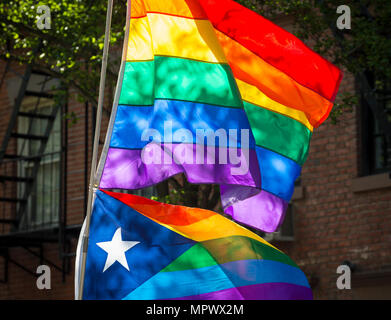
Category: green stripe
[180,79]
[223,250]
[279,133]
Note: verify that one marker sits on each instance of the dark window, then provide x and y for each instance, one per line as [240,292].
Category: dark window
[376,137]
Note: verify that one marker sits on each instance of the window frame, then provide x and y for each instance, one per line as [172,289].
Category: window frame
[35,216]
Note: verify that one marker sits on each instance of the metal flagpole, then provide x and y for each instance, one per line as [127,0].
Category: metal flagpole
[92,184]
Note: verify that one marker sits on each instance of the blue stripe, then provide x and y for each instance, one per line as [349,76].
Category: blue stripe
[132,121]
[165,285]
[278,173]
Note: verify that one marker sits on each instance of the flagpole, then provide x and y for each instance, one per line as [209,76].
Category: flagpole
[92,184]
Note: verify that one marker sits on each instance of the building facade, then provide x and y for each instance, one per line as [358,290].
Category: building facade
[340,213]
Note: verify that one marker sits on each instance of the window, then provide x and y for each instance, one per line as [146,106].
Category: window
[147,192]
[376,137]
[43,203]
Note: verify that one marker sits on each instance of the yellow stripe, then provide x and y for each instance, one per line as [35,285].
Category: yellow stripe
[140,45]
[253,95]
[159,34]
[213,227]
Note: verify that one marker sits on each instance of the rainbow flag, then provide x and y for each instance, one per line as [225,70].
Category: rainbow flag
[141,249]
[287,90]
[212,90]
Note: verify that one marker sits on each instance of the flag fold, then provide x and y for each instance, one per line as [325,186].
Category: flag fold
[141,249]
[213,90]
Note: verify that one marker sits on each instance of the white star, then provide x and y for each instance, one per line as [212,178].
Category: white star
[116,249]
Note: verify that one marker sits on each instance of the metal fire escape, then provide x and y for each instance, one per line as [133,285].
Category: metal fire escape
[17,186]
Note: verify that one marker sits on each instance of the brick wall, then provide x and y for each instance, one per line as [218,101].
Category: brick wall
[332,223]
[21,284]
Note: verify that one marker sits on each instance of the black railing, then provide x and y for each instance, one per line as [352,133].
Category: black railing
[42,207]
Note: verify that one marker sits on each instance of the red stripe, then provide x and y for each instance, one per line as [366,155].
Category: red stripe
[275,45]
[162,212]
[170,14]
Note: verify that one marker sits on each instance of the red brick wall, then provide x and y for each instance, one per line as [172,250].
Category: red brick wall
[21,284]
[332,223]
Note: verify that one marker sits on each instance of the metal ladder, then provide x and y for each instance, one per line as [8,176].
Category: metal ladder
[10,179]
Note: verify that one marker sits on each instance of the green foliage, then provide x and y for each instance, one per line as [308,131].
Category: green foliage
[345,103]
[71,117]
[177,190]
[174,197]
[72,49]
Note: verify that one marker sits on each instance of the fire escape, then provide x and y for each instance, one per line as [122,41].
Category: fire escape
[32,173]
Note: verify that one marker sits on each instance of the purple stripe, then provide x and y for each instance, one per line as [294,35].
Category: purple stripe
[240,193]
[263,210]
[264,291]
[124,168]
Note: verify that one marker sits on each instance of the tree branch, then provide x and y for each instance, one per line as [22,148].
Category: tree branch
[28,31]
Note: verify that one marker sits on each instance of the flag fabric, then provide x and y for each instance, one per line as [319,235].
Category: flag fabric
[141,249]
[212,90]
[286,88]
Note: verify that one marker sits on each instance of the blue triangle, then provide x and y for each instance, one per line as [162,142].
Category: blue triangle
[158,247]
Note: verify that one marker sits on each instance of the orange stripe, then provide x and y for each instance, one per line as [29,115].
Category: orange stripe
[187,9]
[256,97]
[214,227]
[274,83]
